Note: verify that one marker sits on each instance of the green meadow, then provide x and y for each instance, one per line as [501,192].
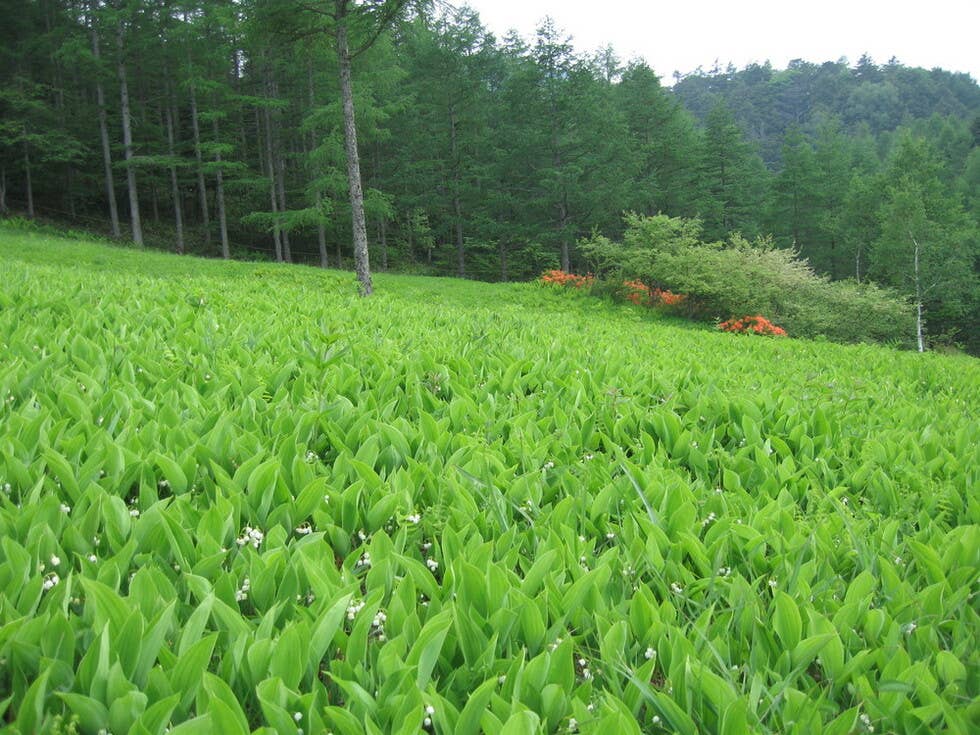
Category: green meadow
[238,498]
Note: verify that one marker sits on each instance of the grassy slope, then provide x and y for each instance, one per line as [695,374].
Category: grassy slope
[595,484]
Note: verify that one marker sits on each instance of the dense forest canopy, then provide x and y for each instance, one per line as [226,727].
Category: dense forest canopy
[219,128]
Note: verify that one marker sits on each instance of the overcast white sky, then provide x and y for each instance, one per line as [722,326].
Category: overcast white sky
[682,35]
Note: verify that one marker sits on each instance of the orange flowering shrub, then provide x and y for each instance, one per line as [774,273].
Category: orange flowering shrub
[752,325]
[638,292]
[669,298]
[569,280]
[642,295]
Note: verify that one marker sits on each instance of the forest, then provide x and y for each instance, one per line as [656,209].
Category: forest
[220,128]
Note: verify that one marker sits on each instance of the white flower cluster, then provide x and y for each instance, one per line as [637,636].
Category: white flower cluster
[724,571]
[50,581]
[251,536]
[432,564]
[866,721]
[415,517]
[554,646]
[709,520]
[242,594]
[6,488]
[378,625]
[308,599]
[429,711]
[676,588]
[65,508]
[304,528]
[353,608]
[584,666]
[365,561]
[909,628]
[311,456]
[650,653]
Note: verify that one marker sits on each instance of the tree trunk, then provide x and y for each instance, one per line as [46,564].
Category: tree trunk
[321,229]
[273,198]
[280,177]
[361,259]
[110,185]
[134,202]
[457,206]
[566,260]
[281,189]
[219,196]
[383,240]
[202,189]
[28,181]
[3,190]
[411,236]
[174,184]
[919,337]
[503,260]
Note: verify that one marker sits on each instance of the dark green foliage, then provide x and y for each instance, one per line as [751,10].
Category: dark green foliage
[739,277]
[482,157]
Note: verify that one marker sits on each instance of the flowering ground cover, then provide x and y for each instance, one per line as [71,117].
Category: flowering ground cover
[239,498]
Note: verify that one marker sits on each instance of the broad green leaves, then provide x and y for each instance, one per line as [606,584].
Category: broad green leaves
[292,510]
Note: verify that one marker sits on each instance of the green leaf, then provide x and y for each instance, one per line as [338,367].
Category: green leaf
[226,713]
[427,647]
[476,703]
[787,621]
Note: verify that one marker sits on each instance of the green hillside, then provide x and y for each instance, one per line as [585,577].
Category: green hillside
[239,498]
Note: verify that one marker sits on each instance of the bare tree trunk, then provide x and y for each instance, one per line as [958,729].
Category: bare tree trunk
[457,206]
[3,190]
[280,177]
[273,198]
[202,190]
[919,337]
[174,184]
[383,240]
[321,228]
[134,202]
[28,181]
[281,190]
[411,236]
[219,196]
[857,264]
[154,201]
[361,258]
[110,186]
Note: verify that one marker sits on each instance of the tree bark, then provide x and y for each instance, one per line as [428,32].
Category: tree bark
[919,337]
[457,205]
[321,229]
[202,189]
[219,196]
[174,184]
[110,184]
[3,190]
[361,258]
[28,181]
[503,260]
[383,240]
[134,202]
[273,198]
